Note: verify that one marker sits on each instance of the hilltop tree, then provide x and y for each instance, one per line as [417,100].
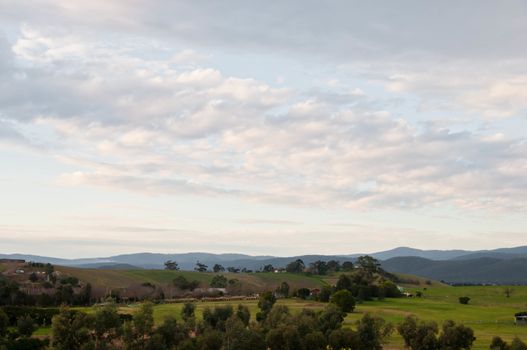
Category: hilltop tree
[200,267]
[268,268]
[318,267]
[368,264]
[296,266]
[171,265]
[333,266]
[218,268]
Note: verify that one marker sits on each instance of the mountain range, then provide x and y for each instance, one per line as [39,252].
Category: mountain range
[500,266]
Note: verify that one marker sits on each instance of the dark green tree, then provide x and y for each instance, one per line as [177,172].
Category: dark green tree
[344,300]
[200,267]
[372,332]
[218,268]
[456,336]
[218,281]
[171,265]
[296,266]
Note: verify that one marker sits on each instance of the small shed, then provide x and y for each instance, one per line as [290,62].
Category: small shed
[520,318]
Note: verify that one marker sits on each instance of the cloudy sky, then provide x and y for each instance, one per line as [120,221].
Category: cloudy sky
[276,127]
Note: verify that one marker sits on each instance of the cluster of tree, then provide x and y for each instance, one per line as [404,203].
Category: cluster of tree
[66,291]
[361,286]
[17,335]
[221,327]
[499,344]
[420,335]
[319,267]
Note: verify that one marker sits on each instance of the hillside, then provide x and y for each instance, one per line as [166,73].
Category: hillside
[480,270]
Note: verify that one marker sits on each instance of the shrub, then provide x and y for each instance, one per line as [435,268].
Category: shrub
[464,300]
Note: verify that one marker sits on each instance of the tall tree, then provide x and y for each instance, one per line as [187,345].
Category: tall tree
[200,267]
[171,265]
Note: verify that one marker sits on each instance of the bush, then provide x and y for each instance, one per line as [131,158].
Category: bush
[464,300]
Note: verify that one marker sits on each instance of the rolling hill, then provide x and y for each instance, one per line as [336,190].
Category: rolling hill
[481,270]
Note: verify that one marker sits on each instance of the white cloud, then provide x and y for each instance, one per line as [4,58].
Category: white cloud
[153,126]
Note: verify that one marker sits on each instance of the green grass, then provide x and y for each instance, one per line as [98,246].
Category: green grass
[489,312]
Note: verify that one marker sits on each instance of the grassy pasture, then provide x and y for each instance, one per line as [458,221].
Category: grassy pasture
[489,312]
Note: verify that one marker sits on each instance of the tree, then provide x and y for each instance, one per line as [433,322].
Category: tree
[243,314]
[296,266]
[217,316]
[344,300]
[283,289]
[517,344]
[419,335]
[210,339]
[372,332]
[233,269]
[187,312]
[218,281]
[25,326]
[344,283]
[318,267]
[182,283]
[171,265]
[456,337]
[499,344]
[4,323]
[508,291]
[343,339]
[347,266]
[265,303]
[325,294]
[69,330]
[368,264]
[268,268]
[170,332]
[333,266]
[464,300]
[33,277]
[330,318]
[218,268]
[138,333]
[303,293]
[200,267]
[107,326]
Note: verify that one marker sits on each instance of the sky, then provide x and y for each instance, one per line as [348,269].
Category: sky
[276,127]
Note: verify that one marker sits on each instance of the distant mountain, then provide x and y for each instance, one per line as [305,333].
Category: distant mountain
[428,254]
[502,265]
[480,270]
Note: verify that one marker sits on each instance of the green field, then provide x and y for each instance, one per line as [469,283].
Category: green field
[126,278]
[489,312]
